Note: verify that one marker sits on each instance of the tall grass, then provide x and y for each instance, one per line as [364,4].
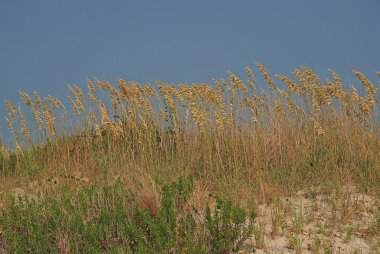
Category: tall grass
[247,143]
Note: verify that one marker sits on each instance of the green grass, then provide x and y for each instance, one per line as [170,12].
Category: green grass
[108,219]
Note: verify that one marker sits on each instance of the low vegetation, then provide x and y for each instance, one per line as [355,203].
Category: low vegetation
[110,220]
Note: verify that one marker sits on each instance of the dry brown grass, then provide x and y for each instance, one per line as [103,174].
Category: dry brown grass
[250,144]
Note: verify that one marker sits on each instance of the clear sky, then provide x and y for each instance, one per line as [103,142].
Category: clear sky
[45,44]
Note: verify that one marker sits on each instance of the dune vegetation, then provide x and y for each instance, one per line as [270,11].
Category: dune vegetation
[185,168]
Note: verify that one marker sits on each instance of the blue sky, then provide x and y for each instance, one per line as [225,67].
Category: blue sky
[45,44]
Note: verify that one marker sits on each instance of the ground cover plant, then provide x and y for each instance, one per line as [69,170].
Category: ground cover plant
[247,143]
[109,220]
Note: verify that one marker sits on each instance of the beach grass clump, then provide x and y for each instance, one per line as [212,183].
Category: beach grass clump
[209,130]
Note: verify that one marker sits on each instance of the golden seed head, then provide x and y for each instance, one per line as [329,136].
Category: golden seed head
[11,108]
[105,120]
[117,128]
[92,98]
[364,108]
[312,77]
[371,96]
[37,98]
[317,127]
[24,130]
[304,85]
[149,91]
[266,76]
[25,98]
[74,106]
[278,105]
[72,91]
[10,125]
[78,92]
[337,80]
[50,118]
[236,82]
[251,78]
[124,88]
[259,100]
[55,103]
[90,86]
[292,87]
[365,81]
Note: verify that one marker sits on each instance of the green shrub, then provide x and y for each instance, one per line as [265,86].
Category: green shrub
[228,227]
[108,220]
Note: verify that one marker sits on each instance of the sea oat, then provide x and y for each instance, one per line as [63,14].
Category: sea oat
[24,130]
[317,127]
[266,76]
[25,98]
